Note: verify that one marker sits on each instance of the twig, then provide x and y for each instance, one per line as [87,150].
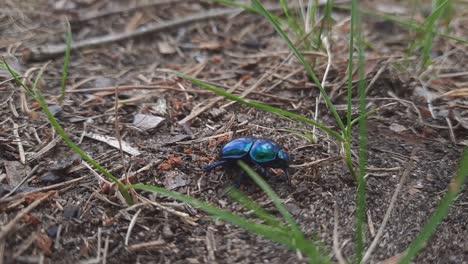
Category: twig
[22,182]
[131,225]
[408,167]
[43,189]
[197,112]
[106,249]
[51,51]
[99,177]
[325,75]
[18,142]
[10,226]
[210,245]
[45,149]
[329,160]
[184,216]
[148,245]
[273,54]
[2,251]
[24,246]
[97,14]
[336,244]
[99,237]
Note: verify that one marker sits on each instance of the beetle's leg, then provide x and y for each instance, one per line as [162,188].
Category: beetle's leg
[288,176]
[214,165]
[263,171]
[242,178]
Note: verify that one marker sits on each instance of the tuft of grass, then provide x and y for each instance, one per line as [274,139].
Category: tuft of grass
[428,36]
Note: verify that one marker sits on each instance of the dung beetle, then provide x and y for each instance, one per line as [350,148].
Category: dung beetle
[264,153]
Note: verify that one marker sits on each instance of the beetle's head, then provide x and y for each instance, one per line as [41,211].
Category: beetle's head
[283,159]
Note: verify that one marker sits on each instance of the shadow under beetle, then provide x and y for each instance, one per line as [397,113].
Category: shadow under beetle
[263,153]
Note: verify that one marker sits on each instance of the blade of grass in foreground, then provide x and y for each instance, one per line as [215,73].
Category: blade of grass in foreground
[362,125]
[280,235]
[440,213]
[300,242]
[260,106]
[249,204]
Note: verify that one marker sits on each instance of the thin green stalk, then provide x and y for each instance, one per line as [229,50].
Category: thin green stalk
[272,20]
[350,72]
[279,235]
[36,94]
[16,76]
[65,62]
[363,129]
[429,33]
[260,106]
[292,23]
[440,213]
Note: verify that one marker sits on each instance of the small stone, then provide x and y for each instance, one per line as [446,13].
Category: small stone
[71,211]
[146,122]
[167,232]
[52,231]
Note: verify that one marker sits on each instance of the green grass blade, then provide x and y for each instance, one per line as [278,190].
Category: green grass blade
[66,61]
[326,21]
[440,213]
[37,95]
[260,106]
[279,235]
[292,22]
[249,204]
[16,76]
[235,4]
[350,71]
[301,242]
[429,33]
[301,58]
[363,134]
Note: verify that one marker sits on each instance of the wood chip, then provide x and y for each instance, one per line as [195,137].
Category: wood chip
[146,122]
[112,141]
[166,48]
[15,172]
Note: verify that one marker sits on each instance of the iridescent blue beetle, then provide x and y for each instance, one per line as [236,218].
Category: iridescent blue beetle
[264,153]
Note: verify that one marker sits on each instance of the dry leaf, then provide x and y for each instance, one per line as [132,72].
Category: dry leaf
[44,243]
